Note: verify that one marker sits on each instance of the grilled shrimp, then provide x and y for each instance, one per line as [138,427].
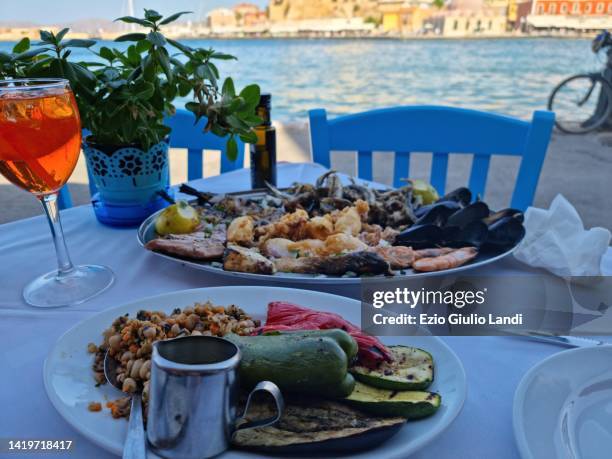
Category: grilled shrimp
[450,260]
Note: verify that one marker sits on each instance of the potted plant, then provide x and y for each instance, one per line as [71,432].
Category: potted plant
[123,98]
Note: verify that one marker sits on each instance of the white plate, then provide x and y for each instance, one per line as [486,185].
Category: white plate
[563,406]
[146,232]
[69,383]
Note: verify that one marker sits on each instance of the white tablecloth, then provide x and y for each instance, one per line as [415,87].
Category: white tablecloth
[494,366]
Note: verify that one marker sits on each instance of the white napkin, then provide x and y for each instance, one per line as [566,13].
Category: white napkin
[557,241]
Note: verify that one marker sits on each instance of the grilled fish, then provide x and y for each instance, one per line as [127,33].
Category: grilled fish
[357,262]
[198,246]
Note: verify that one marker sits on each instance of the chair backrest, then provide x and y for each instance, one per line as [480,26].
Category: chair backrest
[185,134]
[441,131]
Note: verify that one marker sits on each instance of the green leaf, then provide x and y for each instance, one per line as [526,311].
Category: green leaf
[251,95]
[251,119]
[152,15]
[214,70]
[29,53]
[22,46]
[228,88]
[106,53]
[131,37]
[144,90]
[223,56]
[236,123]
[46,36]
[148,67]
[164,61]
[184,88]
[142,46]
[60,35]
[5,57]
[184,48]
[174,17]
[78,43]
[35,69]
[133,20]
[133,56]
[156,38]
[232,149]
[84,75]
[135,73]
[193,107]
[249,137]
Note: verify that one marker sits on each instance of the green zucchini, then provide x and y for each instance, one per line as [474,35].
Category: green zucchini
[345,340]
[313,364]
[381,402]
[411,369]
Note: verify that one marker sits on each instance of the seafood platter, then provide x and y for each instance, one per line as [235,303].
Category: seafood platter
[330,232]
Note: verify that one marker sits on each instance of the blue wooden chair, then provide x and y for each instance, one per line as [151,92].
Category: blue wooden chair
[185,134]
[440,130]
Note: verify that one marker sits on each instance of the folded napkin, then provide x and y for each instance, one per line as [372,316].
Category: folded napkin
[557,241]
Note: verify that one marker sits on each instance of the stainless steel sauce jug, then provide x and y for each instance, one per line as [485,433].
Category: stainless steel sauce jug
[193,396]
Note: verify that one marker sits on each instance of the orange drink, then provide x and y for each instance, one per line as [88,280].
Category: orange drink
[40,138]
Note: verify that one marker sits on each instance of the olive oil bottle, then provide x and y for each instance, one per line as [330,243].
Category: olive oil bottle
[263,153]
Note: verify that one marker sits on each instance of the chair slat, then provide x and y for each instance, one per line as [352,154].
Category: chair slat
[439,168]
[64,200]
[478,175]
[401,168]
[319,137]
[195,164]
[533,160]
[364,165]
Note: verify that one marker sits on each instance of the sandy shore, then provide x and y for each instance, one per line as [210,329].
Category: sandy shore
[579,167]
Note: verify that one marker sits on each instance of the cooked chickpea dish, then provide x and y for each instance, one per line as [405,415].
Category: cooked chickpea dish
[129,341]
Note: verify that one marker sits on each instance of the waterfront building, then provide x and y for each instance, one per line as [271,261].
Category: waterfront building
[248,15]
[221,19]
[456,23]
[517,14]
[582,15]
[298,10]
[405,17]
[466,18]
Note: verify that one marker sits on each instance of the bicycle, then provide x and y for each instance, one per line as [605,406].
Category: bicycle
[576,111]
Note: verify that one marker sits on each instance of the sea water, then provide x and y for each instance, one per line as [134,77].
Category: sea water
[509,76]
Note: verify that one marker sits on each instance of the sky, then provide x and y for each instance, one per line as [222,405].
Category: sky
[65,11]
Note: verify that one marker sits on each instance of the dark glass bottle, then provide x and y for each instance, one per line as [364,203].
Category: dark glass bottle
[263,153]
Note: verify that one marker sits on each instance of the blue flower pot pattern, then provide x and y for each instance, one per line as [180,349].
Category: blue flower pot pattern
[128,175]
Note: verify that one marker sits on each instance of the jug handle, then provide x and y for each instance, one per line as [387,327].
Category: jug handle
[274,391]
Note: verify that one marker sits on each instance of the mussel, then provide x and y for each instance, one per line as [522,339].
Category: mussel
[495,216]
[462,196]
[421,236]
[436,214]
[474,212]
[505,233]
[473,234]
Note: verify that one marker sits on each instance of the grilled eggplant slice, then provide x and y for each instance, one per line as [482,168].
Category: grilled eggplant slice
[411,369]
[380,402]
[314,427]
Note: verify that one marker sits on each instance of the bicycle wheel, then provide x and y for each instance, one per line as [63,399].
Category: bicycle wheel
[581,103]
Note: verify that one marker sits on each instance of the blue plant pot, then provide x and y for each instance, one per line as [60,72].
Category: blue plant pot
[126,180]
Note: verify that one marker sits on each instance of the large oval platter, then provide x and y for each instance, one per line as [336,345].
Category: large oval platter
[146,233]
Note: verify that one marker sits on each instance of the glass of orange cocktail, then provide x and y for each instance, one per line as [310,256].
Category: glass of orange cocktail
[40,141]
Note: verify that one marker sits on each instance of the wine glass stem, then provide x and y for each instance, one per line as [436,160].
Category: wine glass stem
[49,203]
